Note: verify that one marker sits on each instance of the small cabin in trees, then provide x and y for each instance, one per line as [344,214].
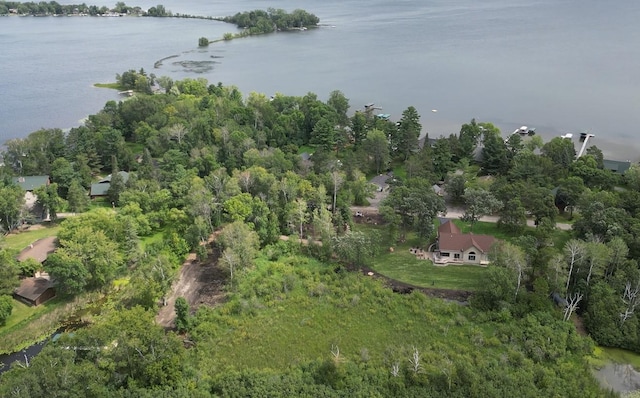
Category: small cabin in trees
[30,184]
[35,291]
[100,189]
[453,246]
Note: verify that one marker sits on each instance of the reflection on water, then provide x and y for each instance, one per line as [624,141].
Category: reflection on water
[619,377]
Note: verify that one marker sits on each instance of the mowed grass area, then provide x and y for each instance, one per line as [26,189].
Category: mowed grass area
[403,266]
[307,149]
[151,239]
[20,240]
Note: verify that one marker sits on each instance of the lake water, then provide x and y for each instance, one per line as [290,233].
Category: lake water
[557,65]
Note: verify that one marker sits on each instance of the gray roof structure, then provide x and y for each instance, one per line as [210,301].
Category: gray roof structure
[101,187]
[30,183]
[381,180]
[617,166]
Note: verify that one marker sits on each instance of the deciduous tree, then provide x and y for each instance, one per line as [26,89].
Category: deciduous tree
[479,202]
[377,147]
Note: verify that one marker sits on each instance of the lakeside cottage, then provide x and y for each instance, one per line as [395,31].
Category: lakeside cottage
[30,184]
[100,189]
[453,246]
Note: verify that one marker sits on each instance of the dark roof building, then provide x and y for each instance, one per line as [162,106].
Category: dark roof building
[35,291]
[30,183]
[617,166]
[381,181]
[426,140]
[100,188]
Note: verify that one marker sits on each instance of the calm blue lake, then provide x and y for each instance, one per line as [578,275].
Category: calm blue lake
[559,66]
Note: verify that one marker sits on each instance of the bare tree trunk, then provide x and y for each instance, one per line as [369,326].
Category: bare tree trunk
[572,304]
[576,250]
[630,299]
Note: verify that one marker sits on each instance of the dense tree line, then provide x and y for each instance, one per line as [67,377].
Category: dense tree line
[259,21]
[54,8]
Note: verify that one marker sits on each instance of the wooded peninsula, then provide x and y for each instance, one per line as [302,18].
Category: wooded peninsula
[299,246]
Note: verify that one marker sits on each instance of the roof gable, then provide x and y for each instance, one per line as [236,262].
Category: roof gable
[448,227]
[107,179]
[464,242]
[99,189]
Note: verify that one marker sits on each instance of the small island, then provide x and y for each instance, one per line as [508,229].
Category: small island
[259,22]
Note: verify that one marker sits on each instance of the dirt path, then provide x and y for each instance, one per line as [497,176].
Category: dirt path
[200,283]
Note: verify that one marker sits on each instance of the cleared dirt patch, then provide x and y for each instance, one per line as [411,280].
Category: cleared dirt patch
[200,283]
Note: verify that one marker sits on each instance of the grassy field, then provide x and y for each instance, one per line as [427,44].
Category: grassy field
[403,266]
[399,171]
[348,311]
[20,312]
[485,228]
[559,237]
[136,147]
[20,240]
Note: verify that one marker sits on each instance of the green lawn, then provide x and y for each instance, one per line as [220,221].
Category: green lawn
[307,149]
[403,266]
[135,147]
[399,171]
[155,238]
[559,237]
[20,312]
[20,240]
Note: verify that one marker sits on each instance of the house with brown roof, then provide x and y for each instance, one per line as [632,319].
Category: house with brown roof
[453,246]
[35,291]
